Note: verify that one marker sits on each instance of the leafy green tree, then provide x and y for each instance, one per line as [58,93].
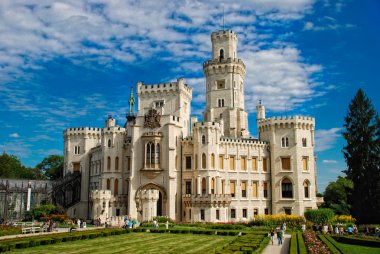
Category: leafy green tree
[52,167]
[9,166]
[336,196]
[362,157]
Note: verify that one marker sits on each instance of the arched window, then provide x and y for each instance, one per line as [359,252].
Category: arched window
[158,154]
[116,187]
[203,160]
[306,187]
[304,142]
[108,184]
[212,160]
[221,54]
[285,142]
[117,163]
[108,163]
[203,139]
[203,186]
[287,188]
[109,143]
[212,186]
[149,154]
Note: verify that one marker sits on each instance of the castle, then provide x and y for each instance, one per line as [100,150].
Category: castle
[164,162]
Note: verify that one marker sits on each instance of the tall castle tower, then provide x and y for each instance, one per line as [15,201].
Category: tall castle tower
[225,75]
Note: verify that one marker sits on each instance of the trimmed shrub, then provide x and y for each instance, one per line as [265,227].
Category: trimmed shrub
[293,244]
[278,219]
[333,248]
[320,216]
[301,243]
[45,241]
[22,245]
[357,241]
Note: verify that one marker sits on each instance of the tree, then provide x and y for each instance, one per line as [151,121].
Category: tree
[9,166]
[362,157]
[52,167]
[336,196]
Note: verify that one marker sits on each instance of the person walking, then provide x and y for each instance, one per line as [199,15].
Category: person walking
[78,222]
[271,235]
[279,237]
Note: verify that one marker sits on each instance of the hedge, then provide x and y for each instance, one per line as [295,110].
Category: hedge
[19,243]
[333,248]
[357,241]
[247,243]
[293,244]
[320,216]
[301,243]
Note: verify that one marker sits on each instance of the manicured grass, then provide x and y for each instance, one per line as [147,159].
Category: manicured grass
[354,249]
[137,243]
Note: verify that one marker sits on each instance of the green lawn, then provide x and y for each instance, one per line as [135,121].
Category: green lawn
[357,249]
[137,243]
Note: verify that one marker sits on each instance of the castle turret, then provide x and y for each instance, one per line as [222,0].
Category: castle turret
[225,75]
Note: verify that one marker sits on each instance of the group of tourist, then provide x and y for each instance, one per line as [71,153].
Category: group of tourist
[129,222]
[337,229]
[80,224]
[280,233]
[49,226]
[97,222]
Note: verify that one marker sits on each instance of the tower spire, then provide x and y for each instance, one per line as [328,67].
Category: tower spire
[131,110]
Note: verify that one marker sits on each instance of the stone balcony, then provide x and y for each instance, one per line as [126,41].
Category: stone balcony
[207,200]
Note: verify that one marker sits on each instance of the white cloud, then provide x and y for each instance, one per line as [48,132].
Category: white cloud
[330,161]
[326,139]
[14,135]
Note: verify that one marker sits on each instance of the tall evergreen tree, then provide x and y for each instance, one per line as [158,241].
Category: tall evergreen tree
[362,157]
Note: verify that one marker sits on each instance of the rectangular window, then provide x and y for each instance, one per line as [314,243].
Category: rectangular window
[265,185]
[220,84]
[254,189]
[118,212]
[233,213]
[188,187]
[243,189]
[305,164]
[266,211]
[76,166]
[190,214]
[223,182]
[288,210]
[159,104]
[255,212]
[188,162]
[254,164]
[217,215]
[202,214]
[221,164]
[129,163]
[265,165]
[244,213]
[243,163]
[232,162]
[285,163]
[232,188]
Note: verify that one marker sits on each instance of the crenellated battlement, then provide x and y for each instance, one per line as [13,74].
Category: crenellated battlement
[101,195]
[223,34]
[206,125]
[179,85]
[82,131]
[300,122]
[227,65]
[151,194]
[238,141]
[91,131]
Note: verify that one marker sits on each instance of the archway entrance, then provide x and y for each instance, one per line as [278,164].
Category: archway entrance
[150,202]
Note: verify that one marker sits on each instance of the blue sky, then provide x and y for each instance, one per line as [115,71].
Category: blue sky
[71,63]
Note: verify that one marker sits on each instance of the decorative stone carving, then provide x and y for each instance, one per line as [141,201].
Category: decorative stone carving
[152,119]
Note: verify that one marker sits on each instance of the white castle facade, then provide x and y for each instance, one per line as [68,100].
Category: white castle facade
[164,162]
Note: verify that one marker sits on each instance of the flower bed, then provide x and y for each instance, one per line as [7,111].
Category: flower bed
[313,244]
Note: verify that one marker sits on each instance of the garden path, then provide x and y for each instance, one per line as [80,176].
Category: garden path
[278,249]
